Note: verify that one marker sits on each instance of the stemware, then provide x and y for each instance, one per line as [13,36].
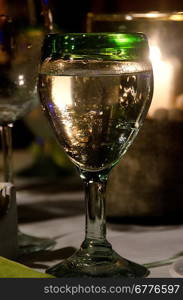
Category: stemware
[96,90]
[20,40]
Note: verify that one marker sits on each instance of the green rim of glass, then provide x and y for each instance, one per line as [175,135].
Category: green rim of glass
[102,46]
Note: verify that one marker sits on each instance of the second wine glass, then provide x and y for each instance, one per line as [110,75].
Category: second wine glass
[19,56]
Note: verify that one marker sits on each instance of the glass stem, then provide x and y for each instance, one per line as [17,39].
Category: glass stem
[6,138]
[95,209]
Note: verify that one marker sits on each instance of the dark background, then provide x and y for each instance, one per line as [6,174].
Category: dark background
[71,15]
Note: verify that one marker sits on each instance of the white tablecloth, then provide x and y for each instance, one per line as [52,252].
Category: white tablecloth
[62,218]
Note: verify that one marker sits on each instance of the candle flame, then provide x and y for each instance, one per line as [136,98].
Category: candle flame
[163,80]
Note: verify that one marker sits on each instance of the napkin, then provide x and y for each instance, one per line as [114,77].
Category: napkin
[11,269]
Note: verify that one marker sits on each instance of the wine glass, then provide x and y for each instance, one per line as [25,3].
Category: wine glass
[96,89]
[19,56]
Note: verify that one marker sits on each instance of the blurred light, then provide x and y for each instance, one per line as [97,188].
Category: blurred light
[129,18]
[21,82]
[152,15]
[177,17]
[21,79]
[155,54]
[163,80]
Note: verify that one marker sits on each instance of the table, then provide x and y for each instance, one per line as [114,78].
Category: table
[60,215]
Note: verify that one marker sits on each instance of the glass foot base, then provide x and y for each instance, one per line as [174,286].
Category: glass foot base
[29,244]
[94,259]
